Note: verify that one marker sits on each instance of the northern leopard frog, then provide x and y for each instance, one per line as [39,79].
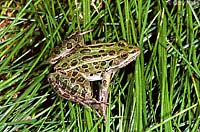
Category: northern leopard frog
[77,64]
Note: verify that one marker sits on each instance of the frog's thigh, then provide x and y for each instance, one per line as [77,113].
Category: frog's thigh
[72,86]
[103,92]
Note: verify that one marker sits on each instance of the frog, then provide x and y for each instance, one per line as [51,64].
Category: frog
[76,65]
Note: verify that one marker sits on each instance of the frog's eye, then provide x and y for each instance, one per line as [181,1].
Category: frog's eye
[124,55]
[122,43]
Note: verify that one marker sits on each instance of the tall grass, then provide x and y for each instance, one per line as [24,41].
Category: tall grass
[158,92]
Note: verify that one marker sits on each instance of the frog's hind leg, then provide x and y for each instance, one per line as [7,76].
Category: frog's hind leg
[72,86]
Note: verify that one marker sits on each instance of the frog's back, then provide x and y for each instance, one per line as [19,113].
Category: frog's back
[96,57]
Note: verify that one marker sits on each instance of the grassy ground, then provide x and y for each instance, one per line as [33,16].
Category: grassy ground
[158,92]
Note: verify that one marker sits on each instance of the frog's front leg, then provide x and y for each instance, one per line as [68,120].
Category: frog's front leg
[74,87]
[103,92]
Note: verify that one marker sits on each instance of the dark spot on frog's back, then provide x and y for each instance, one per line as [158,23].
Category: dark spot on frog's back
[96,67]
[72,80]
[81,79]
[112,52]
[101,51]
[91,74]
[74,73]
[95,63]
[86,70]
[85,51]
[111,63]
[103,63]
[104,54]
[109,44]
[64,64]
[74,62]
[86,57]
[84,66]
[131,47]
[99,72]
[96,56]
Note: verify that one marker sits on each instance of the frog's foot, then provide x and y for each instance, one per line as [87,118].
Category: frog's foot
[101,111]
[97,105]
[93,103]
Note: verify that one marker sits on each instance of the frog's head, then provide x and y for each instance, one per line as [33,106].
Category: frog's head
[126,54]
